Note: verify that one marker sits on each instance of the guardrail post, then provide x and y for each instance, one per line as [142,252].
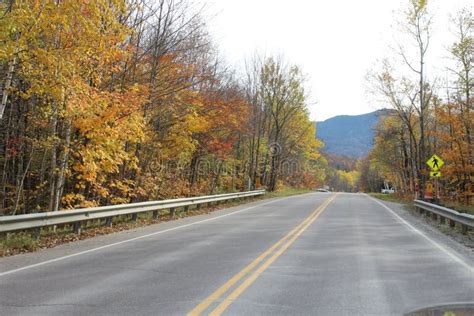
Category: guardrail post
[36,233]
[77,228]
[134,217]
[442,220]
[172,212]
[446,215]
[155,214]
[209,204]
[198,206]
[108,222]
[186,208]
[452,223]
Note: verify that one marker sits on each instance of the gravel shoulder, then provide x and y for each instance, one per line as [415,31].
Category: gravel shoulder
[461,244]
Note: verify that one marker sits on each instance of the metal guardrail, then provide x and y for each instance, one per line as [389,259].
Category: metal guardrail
[76,216]
[465,220]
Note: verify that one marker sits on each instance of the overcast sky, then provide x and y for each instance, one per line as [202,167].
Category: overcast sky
[334,42]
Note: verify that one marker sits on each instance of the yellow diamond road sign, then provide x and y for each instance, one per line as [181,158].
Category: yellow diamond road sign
[435,174]
[435,163]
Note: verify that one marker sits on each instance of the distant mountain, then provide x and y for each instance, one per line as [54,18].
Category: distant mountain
[349,135]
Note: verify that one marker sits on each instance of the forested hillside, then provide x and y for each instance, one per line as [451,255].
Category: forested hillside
[114,101]
[349,135]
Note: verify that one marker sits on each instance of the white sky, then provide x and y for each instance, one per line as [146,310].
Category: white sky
[334,42]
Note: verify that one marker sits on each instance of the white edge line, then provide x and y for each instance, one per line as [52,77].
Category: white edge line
[136,238]
[419,232]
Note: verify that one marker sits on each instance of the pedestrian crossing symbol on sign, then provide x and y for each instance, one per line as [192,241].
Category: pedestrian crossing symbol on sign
[435,163]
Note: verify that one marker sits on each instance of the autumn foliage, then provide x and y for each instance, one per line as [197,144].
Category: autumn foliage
[429,116]
[114,101]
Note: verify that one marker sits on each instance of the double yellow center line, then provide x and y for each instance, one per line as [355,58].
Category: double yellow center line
[275,251]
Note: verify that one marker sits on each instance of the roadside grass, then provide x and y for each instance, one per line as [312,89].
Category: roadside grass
[391,197]
[49,237]
[287,191]
[22,242]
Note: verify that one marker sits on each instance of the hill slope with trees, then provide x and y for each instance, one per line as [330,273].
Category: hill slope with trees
[349,135]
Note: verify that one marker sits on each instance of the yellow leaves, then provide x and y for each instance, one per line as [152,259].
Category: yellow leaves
[109,121]
[57,44]
[453,122]
[73,200]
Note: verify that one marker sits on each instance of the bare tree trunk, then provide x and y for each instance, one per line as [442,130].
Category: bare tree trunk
[62,169]
[8,81]
[21,183]
[215,182]
[53,161]
[5,162]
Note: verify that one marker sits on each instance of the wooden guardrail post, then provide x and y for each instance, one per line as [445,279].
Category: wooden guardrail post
[77,228]
[155,214]
[172,212]
[442,220]
[108,222]
[452,223]
[36,233]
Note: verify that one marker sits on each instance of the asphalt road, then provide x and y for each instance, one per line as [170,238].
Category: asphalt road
[315,254]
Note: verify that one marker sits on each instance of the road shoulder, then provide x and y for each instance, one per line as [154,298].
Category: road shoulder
[460,245]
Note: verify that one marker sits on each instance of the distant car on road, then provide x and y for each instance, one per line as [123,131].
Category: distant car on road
[322,190]
[388,191]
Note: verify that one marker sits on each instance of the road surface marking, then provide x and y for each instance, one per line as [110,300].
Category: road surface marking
[292,236]
[419,232]
[136,238]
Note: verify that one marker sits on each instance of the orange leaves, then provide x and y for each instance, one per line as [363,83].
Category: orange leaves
[453,143]
[116,114]
[109,121]
[226,114]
